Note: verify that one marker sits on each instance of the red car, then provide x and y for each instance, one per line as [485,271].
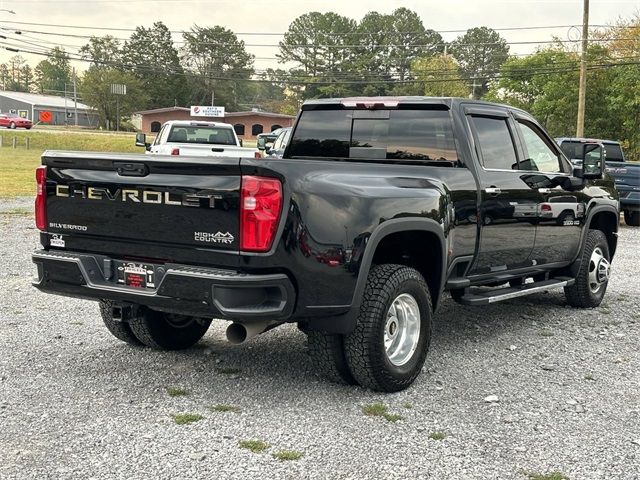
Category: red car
[12,121]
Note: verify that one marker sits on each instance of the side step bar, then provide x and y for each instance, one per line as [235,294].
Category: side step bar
[485,296]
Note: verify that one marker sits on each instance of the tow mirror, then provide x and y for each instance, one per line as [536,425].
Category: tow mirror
[141,140]
[593,163]
[262,142]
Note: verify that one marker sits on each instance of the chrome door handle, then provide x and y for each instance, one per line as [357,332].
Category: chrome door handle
[493,190]
[544,190]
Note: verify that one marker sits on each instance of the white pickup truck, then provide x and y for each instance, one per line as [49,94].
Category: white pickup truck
[197,139]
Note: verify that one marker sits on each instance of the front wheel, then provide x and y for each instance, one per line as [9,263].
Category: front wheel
[632,218]
[12,126]
[389,345]
[593,275]
[165,331]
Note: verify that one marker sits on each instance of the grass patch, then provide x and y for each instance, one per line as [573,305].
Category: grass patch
[22,212]
[392,417]
[546,333]
[380,410]
[284,455]
[17,165]
[437,436]
[185,418]
[229,370]
[407,405]
[545,476]
[222,407]
[589,376]
[255,446]
[177,391]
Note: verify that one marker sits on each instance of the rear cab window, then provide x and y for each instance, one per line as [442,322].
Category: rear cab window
[399,135]
[202,134]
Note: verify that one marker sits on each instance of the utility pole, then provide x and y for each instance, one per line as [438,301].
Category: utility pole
[212,98]
[75,96]
[583,70]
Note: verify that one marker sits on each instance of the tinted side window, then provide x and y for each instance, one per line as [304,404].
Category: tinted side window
[496,143]
[406,135]
[423,135]
[322,133]
[541,157]
[613,153]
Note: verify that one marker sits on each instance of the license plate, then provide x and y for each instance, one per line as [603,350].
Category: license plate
[137,275]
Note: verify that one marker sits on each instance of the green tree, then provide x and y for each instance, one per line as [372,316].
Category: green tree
[151,56]
[439,76]
[219,63]
[53,73]
[322,45]
[408,40]
[546,85]
[102,52]
[14,74]
[95,90]
[480,52]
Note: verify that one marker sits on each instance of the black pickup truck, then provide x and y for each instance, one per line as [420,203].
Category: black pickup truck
[379,207]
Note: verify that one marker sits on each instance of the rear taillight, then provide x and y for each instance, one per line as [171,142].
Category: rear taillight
[41,198]
[175,151]
[257,155]
[260,205]
[545,207]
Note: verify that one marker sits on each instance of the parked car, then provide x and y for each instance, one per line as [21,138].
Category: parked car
[354,234]
[14,121]
[197,139]
[277,149]
[626,174]
[264,139]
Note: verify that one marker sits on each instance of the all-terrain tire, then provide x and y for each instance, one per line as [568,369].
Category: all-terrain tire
[164,331]
[579,294]
[120,330]
[364,347]
[327,354]
[632,218]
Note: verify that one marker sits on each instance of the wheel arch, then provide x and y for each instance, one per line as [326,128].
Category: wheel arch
[418,243]
[606,220]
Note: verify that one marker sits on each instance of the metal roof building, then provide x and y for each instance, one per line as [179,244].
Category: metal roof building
[62,111]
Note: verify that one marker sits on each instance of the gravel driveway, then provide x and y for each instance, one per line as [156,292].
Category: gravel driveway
[77,403]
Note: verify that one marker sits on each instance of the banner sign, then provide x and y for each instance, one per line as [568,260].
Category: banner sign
[206,111]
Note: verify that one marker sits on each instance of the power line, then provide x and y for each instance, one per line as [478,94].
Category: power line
[341,46]
[120,29]
[294,81]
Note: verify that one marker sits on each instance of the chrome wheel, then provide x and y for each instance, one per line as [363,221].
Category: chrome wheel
[402,329]
[599,270]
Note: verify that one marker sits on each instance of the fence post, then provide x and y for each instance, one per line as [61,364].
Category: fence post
[26,142]
[1,139]
[15,142]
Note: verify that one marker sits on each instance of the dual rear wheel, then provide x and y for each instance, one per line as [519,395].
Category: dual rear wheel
[162,331]
[389,345]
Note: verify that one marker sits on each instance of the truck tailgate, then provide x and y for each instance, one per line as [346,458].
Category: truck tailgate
[190,202]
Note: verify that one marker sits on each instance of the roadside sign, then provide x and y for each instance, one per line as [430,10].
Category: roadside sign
[206,111]
[118,89]
[45,116]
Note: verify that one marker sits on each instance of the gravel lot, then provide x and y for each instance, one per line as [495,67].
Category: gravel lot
[77,403]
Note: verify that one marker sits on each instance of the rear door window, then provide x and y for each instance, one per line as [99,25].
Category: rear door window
[496,144]
[401,135]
